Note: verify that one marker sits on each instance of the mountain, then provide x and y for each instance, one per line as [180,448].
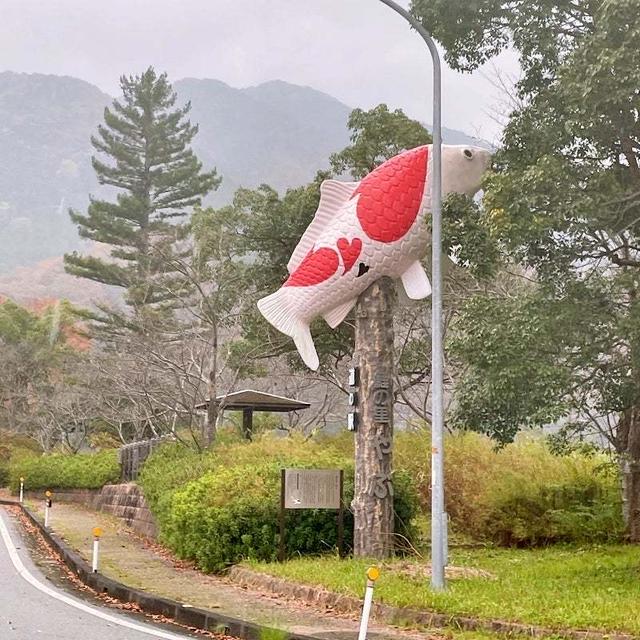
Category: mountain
[275,133]
[45,162]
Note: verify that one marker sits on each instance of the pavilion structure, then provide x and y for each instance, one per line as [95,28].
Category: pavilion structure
[249,400]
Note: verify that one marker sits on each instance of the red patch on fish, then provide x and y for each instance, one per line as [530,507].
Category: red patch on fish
[349,251]
[316,267]
[390,196]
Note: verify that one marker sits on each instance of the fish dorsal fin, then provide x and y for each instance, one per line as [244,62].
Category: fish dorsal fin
[333,194]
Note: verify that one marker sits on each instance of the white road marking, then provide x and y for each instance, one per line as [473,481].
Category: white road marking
[24,573]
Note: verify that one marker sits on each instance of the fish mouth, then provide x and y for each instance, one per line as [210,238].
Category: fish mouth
[362,269]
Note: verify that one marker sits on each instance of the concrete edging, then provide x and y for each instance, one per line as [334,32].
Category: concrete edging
[149,603]
[399,615]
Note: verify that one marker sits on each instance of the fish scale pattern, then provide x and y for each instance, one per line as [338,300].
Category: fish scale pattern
[388,205]
[390,196]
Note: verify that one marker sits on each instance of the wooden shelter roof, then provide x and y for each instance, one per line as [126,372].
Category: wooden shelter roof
[257,401]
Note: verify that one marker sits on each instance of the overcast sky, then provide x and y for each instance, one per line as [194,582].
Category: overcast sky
[359,51]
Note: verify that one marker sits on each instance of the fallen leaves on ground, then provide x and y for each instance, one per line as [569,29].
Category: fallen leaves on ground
[66,574]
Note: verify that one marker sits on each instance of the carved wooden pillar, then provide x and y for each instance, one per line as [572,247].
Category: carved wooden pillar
[373,495]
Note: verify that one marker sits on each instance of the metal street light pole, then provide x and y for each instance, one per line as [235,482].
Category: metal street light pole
[438,525]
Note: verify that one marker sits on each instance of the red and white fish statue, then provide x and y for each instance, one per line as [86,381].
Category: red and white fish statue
[363,231]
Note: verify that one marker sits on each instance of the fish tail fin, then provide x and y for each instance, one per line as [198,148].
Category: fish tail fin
[306,348]
[278,310]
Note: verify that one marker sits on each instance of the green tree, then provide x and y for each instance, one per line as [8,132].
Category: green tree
[145,155]
[565,206]
[38,364]
[376,136]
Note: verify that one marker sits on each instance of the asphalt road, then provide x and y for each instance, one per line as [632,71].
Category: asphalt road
[33,608]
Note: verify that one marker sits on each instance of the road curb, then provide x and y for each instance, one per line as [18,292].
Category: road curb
[399,615]
[152,604]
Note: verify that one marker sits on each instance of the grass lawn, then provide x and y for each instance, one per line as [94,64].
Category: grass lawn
[578,587]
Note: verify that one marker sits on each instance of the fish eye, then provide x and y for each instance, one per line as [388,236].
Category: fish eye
[468,153]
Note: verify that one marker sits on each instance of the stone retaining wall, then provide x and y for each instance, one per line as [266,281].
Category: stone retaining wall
[124,501]
[127,502]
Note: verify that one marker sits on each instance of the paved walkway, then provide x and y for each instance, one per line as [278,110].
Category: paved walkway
[32,607]
[126,558]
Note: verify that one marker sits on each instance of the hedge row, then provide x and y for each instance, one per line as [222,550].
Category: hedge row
[59,471]
[221,506]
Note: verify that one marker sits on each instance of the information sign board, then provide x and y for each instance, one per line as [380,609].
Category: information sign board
[312,489]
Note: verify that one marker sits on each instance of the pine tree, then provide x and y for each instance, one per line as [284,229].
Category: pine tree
[144,154]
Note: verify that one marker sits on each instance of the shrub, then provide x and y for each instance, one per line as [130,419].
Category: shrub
[13,447]
[580,504]
[58,471]
[229,511]
[521,494]
[5,457]
[222,506]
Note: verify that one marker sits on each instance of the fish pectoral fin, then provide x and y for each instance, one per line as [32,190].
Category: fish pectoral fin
[416,281]
[336,315]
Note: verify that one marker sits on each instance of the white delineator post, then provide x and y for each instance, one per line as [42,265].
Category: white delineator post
[97,534]
[21,490]
[47,506]
[373,573]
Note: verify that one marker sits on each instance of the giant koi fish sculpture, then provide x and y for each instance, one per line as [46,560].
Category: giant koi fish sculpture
[363,231]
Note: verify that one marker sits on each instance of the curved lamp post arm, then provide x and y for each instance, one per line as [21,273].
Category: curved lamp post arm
[438,523]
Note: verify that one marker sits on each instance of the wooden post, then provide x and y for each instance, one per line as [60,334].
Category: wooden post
[247,423]
[210,424]
[341,517]
[281,550]
[373,491]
